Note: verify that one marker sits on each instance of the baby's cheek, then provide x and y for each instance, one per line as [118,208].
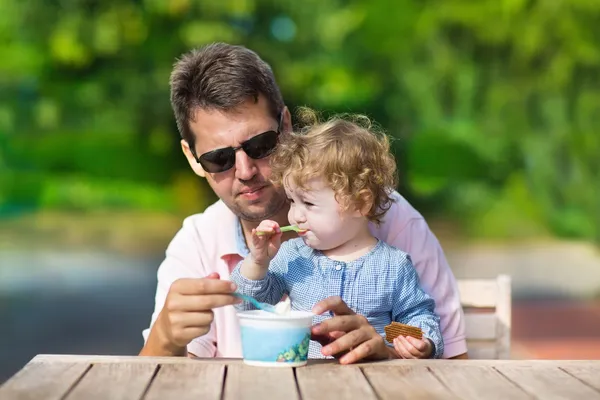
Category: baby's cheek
[291,217]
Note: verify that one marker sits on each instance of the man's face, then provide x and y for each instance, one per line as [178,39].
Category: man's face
[245,188]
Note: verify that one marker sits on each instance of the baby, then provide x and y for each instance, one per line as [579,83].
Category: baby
[339,176]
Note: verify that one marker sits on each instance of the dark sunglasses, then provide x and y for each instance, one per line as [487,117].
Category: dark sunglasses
[220,160]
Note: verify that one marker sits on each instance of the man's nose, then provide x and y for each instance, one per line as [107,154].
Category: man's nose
[245,167]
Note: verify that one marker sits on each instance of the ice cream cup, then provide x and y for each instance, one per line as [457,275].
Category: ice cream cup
[271,340]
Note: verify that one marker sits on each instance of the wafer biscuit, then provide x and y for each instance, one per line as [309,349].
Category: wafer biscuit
[396,329]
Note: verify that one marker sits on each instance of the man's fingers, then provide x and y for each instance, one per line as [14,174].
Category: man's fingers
[343,323]
[197,319]
[322,339]
[203,286]
[203,303]
[364,350]
[346,342]
[191,319]
[334,304]
[336,334]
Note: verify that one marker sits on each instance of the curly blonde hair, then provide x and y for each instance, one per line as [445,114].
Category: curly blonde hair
[348,153]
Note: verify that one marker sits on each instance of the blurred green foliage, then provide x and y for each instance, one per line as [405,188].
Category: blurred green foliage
[495,103]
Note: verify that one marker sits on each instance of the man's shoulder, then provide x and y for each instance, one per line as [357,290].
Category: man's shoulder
[210,233]
[398,217]
[213,224]
[400,210]
[217,211]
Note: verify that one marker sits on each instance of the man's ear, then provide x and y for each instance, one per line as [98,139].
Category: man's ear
[195,165]
[286,120]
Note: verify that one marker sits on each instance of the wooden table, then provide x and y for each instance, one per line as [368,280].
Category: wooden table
[115,378]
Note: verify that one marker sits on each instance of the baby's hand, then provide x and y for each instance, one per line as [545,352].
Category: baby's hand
[409,347]
[266,239]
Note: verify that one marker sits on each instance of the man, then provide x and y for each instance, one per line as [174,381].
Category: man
[229,112]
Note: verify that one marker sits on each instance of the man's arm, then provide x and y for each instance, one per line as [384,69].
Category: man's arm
[406,229]
[184,301]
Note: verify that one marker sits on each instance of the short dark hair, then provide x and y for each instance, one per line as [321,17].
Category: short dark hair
[220,76]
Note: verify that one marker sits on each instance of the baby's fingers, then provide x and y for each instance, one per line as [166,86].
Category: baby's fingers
[268,226]
[419,344]
[260,240]
[408,349]
[400,349]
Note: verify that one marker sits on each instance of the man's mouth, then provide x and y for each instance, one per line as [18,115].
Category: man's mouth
[247,192]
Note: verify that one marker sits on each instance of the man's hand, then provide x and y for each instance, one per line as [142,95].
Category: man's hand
[347,333]
[187,314]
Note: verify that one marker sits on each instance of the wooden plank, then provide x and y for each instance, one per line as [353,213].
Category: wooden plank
[481,326]
[593,364]
[114,381]
[320,382]
[406,382]
[247,382]
[96,359]
[86,359]
[472,382]
[548,383]
[585,373]
[43,380]
[187,381]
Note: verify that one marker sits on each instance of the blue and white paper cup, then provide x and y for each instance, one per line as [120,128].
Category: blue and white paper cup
[271,340]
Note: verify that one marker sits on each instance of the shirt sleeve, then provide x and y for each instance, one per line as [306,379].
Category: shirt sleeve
[181,262]
[412,306]
[435,276]
[272,287]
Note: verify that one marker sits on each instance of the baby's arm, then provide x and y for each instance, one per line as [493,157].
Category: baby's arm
[271,288]
[266,240]
[416,308]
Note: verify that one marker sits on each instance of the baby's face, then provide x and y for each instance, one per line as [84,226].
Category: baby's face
[317,210]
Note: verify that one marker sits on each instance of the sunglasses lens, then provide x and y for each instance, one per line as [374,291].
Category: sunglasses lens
[221,160]
[261,145]
[218,160]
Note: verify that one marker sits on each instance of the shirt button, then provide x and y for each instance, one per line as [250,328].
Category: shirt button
[338,267]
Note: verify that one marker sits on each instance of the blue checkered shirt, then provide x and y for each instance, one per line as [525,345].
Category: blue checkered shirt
[382,285]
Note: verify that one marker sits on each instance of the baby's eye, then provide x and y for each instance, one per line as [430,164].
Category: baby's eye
[309,204]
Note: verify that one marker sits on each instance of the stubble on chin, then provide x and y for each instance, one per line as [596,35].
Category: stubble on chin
[276,203]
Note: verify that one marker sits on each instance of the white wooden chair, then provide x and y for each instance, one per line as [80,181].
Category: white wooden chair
[487,307]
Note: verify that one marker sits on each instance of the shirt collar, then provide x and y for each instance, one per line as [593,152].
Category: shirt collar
[240,240]
[231,240]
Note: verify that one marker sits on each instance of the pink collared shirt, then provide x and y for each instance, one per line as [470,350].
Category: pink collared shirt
[208,242]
